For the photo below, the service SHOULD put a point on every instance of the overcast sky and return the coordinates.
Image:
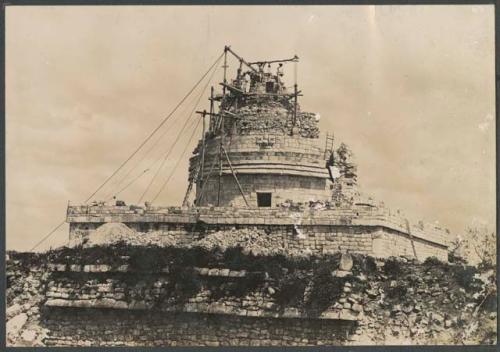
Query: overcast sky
(409, 88)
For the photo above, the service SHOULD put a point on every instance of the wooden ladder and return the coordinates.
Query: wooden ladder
(190, 188)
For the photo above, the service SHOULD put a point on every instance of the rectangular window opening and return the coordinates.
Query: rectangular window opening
(264, 199)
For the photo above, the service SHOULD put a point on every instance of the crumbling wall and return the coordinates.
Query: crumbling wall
(270, 116)
(179, 232)
(430, 303)
(25, 293)
(344, 188)
(245, 299)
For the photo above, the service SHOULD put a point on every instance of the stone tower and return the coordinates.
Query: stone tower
(261, 149)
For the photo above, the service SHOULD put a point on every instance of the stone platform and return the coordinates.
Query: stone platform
(362, 228)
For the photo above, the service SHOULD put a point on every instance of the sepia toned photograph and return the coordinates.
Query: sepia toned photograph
(279, 175)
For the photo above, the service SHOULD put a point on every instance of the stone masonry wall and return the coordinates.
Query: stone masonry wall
(94, 327)
(360, 229)
(391, 243)
(292, 167)
(319, 239)
(282, 187)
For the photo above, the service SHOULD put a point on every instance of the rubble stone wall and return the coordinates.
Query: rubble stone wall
(394, 301)
(182, 233)
(94, 327)
(263, 115)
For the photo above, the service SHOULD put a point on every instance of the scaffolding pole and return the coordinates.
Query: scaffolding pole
(220, 159)
(235, 177)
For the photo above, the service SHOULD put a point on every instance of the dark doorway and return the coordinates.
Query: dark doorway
(269, 87)
(264, 199)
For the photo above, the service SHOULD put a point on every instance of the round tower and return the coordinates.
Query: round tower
(260, 149)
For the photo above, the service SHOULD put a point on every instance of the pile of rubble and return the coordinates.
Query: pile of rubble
(251, 240)
(302, 206)
(112, 233)
(307, 123)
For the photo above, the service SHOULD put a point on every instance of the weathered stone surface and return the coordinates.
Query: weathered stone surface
(29, 335)
(408, 309)
(438, 318)
(15, 324)
(396, 308)
(341, 273)
(13, 310)
(357, 307)
(345, 262)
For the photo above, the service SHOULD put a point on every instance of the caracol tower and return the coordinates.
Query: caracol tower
(261, 149)
(261, 163)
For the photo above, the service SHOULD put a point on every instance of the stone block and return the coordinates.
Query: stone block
(341, 273)
(357, 308)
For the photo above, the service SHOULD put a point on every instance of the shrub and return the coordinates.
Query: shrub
(464, 275)
(392, 267)
(290, 290)
(364, 264)
(325, 289)
(433, 262)
(453, 258)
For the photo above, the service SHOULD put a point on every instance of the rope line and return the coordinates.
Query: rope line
(178, 161)
(129, 184)
(138, 176)
(48, 235)
(203, 183)
(178, 137)
(155, 130)
(165, 158)
(136, 150)
(160, 157)
(119, 183)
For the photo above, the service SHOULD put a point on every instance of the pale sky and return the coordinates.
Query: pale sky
(409, 88)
